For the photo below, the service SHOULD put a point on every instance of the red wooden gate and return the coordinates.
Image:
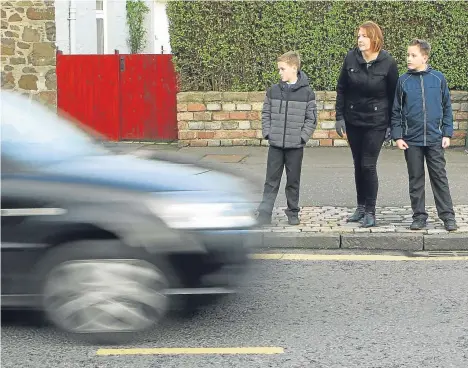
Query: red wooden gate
(123, 97)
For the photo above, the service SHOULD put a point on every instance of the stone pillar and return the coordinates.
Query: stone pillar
(28, 52)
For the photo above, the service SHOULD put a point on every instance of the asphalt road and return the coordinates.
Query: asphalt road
(320, 313)
(327, 174)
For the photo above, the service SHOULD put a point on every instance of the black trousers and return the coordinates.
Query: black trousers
(366, 145)
(278, 159)
(435, 161)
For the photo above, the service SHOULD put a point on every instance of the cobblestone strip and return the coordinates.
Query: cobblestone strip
(329, 219)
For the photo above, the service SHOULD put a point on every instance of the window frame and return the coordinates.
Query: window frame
(101, 14)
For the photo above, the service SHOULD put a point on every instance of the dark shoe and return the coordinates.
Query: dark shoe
(368, 220)
(418, 224)
(358, 214)
(293, 220)
(450, 225)
(263, 219)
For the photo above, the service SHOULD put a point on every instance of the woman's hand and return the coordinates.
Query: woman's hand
(340, 127)
(388, 135)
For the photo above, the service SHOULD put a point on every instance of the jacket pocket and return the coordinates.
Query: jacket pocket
(412, 131)
(378, 77)
(373, 107)
(353, 106)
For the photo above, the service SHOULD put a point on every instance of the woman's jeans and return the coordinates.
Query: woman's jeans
(365, 146)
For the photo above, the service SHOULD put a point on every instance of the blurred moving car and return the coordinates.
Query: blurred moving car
(106, 244)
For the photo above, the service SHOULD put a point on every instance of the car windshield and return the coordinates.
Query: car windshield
(33, 134)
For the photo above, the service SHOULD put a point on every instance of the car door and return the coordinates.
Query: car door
(20, 232)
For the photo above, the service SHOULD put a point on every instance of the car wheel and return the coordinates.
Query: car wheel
(103, 292)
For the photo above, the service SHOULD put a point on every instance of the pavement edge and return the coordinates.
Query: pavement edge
(369, 241)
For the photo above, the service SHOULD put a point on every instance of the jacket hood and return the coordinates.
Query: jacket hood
(383, 54)
(417, 72)
(302, 81)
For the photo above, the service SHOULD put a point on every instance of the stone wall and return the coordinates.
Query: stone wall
(28, 49)
(234, 119)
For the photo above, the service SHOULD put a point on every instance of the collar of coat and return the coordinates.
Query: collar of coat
(302, 81)
(383, 54)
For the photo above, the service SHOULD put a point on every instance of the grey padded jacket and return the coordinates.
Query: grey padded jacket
(289, 115)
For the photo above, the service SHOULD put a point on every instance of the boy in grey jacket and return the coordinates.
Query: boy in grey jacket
(289, 119)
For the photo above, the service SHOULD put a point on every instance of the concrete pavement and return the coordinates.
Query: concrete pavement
(318, 314)
(326, 228)
(328, 197)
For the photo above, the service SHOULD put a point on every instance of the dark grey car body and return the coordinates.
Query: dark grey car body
(67, 195)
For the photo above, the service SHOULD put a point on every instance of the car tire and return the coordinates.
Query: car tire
(103, 292)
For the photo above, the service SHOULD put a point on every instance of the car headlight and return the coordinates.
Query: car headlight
(195, 215)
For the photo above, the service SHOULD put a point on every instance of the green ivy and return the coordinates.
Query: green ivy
(233, 45)
(136, 12)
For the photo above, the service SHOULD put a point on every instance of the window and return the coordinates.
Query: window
(54, 139)
(101, 49)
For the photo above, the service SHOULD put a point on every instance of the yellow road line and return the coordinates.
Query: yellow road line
(191, 351)
(349, 257)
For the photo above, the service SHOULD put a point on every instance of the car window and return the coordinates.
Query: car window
(8, 166)
(33, 134)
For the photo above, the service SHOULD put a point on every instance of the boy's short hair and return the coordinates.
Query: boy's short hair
(291, 58)
(424, 46)
(375, 35)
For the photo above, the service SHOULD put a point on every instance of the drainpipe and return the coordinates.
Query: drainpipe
(72, 26)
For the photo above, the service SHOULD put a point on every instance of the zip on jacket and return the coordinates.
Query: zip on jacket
(285, 117)
(424, 109)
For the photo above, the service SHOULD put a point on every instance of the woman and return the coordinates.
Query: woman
(365, 92)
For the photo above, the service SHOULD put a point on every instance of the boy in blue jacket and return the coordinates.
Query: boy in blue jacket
(422, 125)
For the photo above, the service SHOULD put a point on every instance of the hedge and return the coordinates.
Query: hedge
(233, 45)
